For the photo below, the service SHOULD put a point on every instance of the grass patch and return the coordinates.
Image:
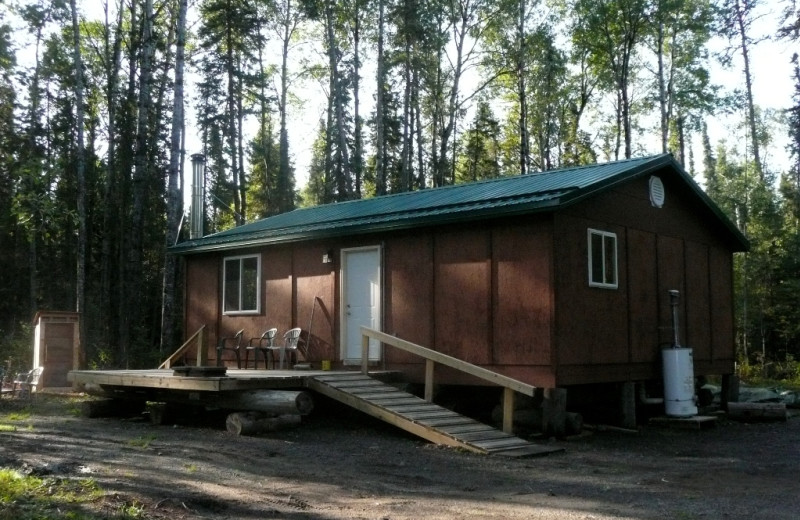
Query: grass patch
(25, 497)
(7, 428)
(21, 415)
(142, 442)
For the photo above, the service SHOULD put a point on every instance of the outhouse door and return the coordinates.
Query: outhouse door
(361, 300)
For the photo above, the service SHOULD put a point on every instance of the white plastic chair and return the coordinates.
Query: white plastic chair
(263, 344)
(26, 383)
(291, 338)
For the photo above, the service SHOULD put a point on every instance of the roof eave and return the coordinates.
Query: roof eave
(380, 227)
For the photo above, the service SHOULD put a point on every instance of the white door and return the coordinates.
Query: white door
(361, 300)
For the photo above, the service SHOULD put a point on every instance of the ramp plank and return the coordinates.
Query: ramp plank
(419, 417)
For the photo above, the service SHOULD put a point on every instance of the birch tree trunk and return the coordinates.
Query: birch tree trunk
(742, 26)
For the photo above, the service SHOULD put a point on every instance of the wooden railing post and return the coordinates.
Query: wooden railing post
(364, 354)
(429, 380)
(510, 385)
(202, 354)
(202, 351)
(508, 410)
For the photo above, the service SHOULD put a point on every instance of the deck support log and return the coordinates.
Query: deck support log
(268, 401)
(276, 402)
(251, 423)
(758, 411)
(111, 408)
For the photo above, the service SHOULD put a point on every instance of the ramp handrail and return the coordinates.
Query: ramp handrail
(432, 357)
(202, 352)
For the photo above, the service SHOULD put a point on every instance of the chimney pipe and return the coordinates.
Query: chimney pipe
(197, 214)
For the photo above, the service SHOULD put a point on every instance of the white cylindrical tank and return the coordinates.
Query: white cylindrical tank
(679, 399)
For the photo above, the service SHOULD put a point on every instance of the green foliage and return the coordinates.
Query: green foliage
(480, 147)
(783, 373)
(27, 497)
(16, 349)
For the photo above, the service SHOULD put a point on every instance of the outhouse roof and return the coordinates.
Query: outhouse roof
(504, 196)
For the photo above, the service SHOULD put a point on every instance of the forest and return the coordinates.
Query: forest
(102, 103)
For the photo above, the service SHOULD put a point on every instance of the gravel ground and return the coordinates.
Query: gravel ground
(340, 464)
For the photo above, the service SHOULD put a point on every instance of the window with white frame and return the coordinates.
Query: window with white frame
(602, 259)
(241, 283)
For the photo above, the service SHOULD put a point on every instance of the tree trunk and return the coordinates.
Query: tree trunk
(230, 65)
(524, 145)
(460, 32)
(405, 154)
(285, 192)
(242, 217)
(122, 245)
(80, 168)
(140, 179)
(342, 160)
(748, 80)
(174, 196)
(380, 129)
(113, 53)
(662, 90)
(358, 146)
(418, 127)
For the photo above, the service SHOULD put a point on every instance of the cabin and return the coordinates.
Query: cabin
(556, 279)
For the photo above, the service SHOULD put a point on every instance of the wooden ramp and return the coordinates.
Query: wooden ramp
(427, 420)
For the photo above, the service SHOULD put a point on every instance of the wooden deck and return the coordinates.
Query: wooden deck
(364, 392)
(165, 379)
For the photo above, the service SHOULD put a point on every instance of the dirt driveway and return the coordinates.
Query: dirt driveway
(343, 465)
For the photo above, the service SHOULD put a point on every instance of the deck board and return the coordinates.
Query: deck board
(235, 379)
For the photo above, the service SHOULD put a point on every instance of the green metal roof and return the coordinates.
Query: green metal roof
(536, 192)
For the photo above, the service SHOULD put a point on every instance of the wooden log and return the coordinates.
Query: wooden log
(758, 411)
(251, 423)
(111, 408)
(276, 402)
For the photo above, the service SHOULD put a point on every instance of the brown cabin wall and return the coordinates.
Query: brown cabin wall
(512, 294)
(293, 279)
(608, 335)
(202, 298)
(481, 293)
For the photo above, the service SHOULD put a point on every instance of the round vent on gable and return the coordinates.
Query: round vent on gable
(656, 192)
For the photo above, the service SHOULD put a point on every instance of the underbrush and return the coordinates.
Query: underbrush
(784, 374)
